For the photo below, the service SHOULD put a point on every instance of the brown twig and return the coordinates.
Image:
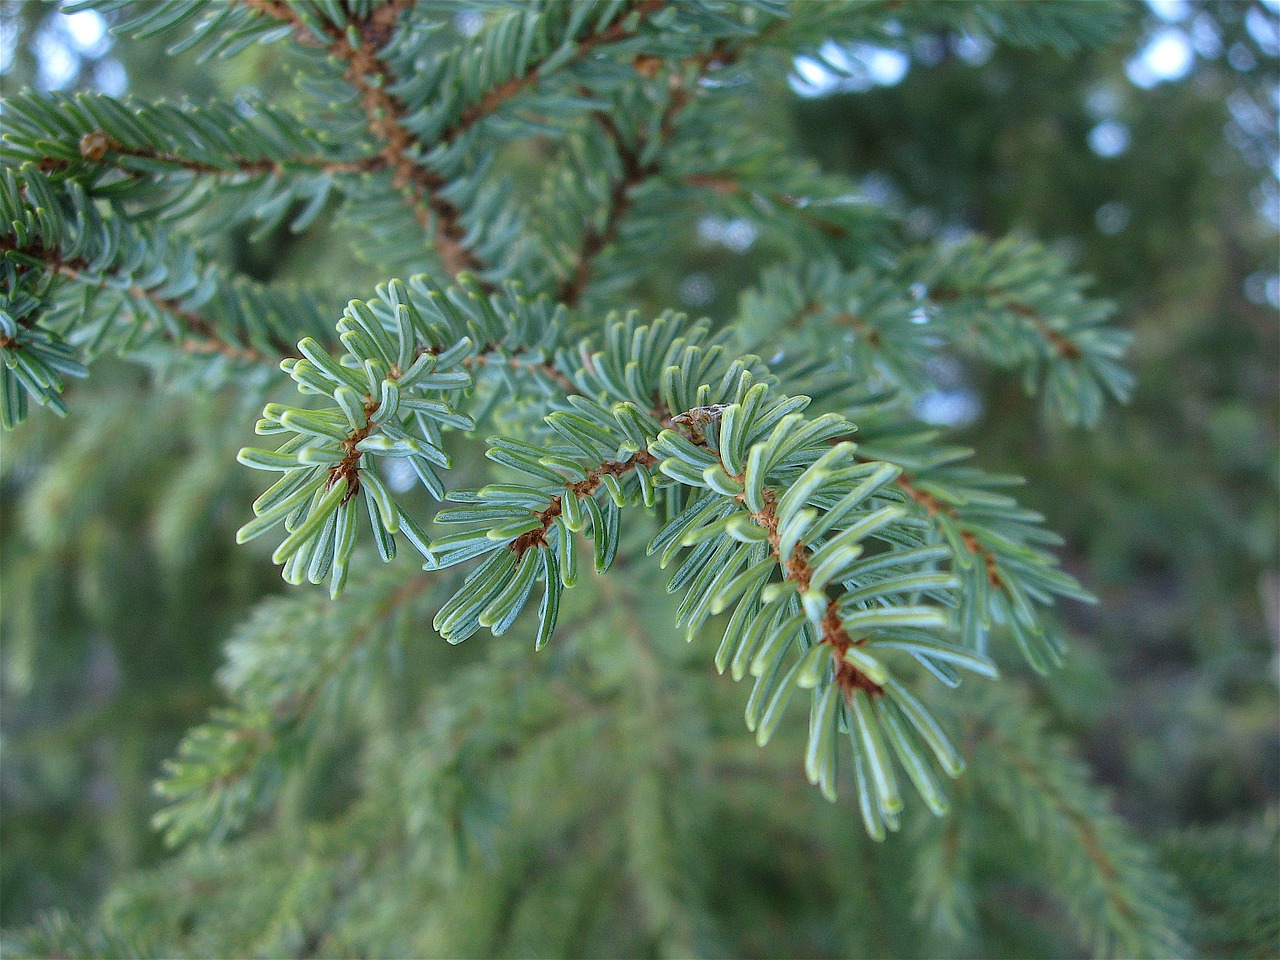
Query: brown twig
(385, 113)
(537, 537)
(97, 147)
(797, 567)
(934, 506)
(202, 336)
(596, 239)
(1057, 342)
(861, 327)
(682, 92)
(615, 31)
(348, 468)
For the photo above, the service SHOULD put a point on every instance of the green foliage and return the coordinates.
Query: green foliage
(1229, 871)
(1093, 864)
(370, 792)
(1012, 304)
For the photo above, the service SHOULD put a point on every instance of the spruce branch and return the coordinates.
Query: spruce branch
(1055, 340)
(997, 547)
(414, 353)
(932, 506)
(796, 565)
(1124, 902)
(580, 489)
(371, 76)
(97, 147)
(596, 239)
(119, 151)
(624, 23)
(847, 571)
(167, 292)
(635, 170)
(233, 764)
(754, 488)
(1010, 303)
(198, 334)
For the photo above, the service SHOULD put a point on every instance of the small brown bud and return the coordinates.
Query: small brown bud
(647, 66)
(93, 146)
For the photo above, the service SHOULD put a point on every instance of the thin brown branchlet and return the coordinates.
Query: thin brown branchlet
(201, 335)
(1054, 339)
(348, 468)
(97, 147)
(586, 487)
(384, 113)
(796, 567)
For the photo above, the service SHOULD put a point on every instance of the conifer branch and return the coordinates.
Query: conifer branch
(634, 171)
(833, 565)
(201, 336)
(415, 586)
(796, 566)
(1114, 888)
(1055, 341)
(614, 31)
(99, 148)
(492, 355)
(933, 506)
(586, 487)
(1009, 303)
(596, 239)
(370, 76)
(245, 745)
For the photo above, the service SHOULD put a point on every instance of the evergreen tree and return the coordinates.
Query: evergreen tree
(524, 403)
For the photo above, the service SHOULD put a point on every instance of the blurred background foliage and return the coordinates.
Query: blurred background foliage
(1152, 163)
